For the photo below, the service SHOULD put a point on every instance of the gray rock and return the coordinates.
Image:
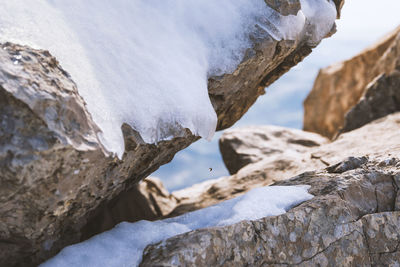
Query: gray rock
(382, 97)
(351, 221)
(242, 146)
(148, 200)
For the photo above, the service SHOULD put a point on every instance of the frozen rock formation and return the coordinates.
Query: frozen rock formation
(147, 63)
(367, 84)
(54, 173)
(55, 178)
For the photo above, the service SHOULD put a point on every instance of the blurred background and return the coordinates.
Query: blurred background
(362, 23)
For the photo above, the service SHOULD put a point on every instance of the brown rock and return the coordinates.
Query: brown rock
(342, 86)
(56, 181)
(346, 224)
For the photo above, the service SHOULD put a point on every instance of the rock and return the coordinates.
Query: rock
(382, 97)
(285, 8)
(148, 200)
(56, 180)
(264, 63)
(378, 140)
(351, 221)
(365, 83)
(242, 146)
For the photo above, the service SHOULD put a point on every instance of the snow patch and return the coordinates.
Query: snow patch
(146, 62)
(124, 245)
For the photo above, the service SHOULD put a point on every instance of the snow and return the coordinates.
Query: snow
(320, 16)
(123, 245)
(146, 62)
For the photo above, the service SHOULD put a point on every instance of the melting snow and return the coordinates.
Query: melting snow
(146, 62)
(123, 245)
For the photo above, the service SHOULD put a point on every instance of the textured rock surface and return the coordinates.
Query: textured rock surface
(56, 181)
(340, 87)
(352, 221)
(378, 140)
(148, 200)
(242, 146)
(381, 97)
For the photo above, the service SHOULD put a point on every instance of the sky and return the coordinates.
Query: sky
(362, 23)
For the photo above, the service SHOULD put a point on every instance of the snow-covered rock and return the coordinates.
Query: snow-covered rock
(353, 220)
(123, 245)
(53, 169)
(146, 63)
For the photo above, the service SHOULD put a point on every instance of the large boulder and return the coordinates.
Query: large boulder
(55, 174)
(368, 83)
(353, 220)
(57, 180)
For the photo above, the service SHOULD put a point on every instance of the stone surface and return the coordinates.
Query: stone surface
(378, 140)
(351, 221)
(345, 85)
(381, 97)
(290, 7)
(148, 200)
(243, 146)
(56, 182)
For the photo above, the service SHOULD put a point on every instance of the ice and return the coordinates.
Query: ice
(146, 62)
(123, 245)
(321, 16)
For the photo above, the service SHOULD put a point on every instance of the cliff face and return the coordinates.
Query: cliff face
(344, 91)
(56, 180)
